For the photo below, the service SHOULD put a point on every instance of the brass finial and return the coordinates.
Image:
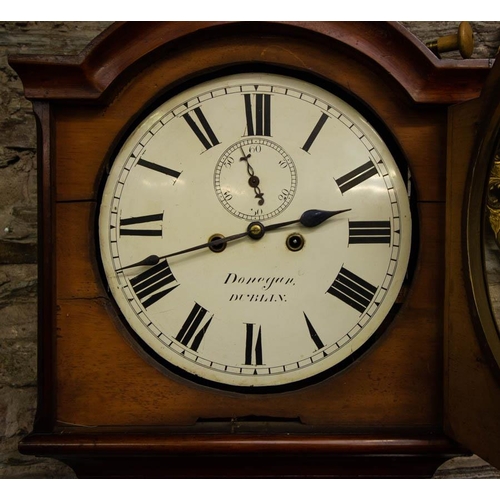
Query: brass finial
(463, 41)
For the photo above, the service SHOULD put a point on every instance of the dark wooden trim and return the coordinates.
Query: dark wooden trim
(122, 47)
(147, 443)
(160, 455)
(44, 419)
(261, 467)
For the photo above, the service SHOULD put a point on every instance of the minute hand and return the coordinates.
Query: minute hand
(255, 230)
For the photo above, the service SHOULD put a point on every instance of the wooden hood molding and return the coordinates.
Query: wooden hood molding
(125, 46)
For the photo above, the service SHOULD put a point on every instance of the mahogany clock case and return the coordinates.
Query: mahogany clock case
(99, 397)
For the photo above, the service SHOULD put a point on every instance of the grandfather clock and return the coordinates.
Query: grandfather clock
(252, 248)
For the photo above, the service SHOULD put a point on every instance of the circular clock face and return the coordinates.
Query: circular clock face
(254, 231)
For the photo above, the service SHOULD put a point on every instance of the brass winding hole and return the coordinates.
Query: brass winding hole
(295, 242)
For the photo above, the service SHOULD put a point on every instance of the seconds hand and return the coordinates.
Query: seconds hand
(255, 230)
(253, 181)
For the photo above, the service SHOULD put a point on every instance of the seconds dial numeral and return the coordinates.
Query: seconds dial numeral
(356, 176)
(352, 290)
(191, 335)
(201, 128)
(153, 284)
(262, 115)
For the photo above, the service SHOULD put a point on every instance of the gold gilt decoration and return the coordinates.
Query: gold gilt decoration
(493, 199)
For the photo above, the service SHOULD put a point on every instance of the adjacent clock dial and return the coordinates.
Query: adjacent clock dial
(240, 155)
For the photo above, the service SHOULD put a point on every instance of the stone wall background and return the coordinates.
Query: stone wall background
(18, 236)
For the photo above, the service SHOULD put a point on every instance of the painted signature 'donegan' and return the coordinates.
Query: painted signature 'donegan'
(265, 282)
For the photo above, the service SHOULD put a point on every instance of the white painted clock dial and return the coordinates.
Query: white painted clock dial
(214, 158)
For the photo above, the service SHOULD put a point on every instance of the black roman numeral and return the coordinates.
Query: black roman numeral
(316, 130)
(351, 289)
(253, 346)
(144, 219)
(371, 231)
(356, 176)
(312, 332)
(158, 168)
(153, 284)
(190, 334)
(262, 116)
(205, 134)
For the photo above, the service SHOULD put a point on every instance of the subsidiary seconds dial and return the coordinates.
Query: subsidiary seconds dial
(255, 232)
(255, 179)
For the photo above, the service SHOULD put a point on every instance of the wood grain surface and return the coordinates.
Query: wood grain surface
(103, 380)
(382, 389)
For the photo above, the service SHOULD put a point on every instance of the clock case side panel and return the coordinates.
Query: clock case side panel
(45, 414)
(475, 206)
(472, 388)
